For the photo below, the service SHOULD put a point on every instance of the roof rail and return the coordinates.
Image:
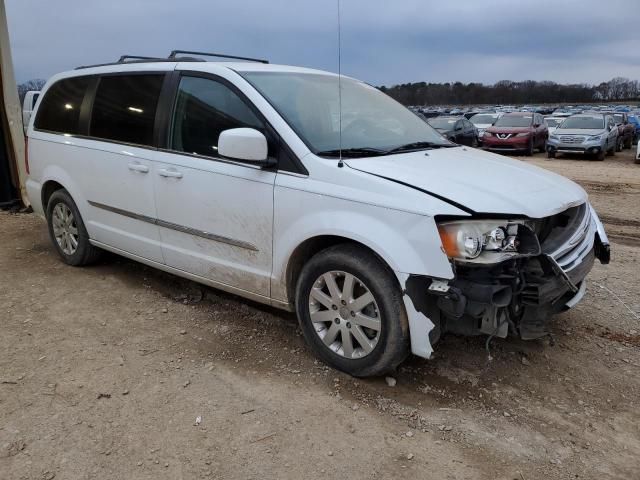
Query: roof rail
(127, 59)
(174, 53)
(124, 58)
(173, 57)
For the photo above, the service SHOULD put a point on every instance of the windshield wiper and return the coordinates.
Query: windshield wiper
(353, 152)
(420, 146)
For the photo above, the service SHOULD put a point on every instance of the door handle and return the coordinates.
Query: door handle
(163, 172)
(138, 167)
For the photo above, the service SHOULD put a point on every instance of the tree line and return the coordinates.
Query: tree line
(508, 92)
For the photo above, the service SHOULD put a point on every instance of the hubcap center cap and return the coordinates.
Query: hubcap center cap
(344, 312)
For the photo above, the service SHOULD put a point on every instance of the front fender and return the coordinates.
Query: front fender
(407, 242)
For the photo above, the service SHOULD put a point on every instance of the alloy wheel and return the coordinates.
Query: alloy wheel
(65, 229)
(345, 314)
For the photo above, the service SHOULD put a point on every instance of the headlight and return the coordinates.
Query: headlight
(523, 134)
(593, 138)
(487, 241)
(553, 137)
(487, 134)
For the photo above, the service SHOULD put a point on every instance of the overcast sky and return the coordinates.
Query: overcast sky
(384, 42)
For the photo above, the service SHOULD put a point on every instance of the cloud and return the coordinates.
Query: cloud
(383, 42)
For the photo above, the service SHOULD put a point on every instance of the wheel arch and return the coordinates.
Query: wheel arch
(310, 247)
(48, 189)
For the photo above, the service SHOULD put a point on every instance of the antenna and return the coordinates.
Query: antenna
(340, 163)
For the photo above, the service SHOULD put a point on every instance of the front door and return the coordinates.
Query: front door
(215, 216)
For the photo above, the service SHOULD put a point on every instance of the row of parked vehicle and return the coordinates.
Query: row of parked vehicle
(591, 133)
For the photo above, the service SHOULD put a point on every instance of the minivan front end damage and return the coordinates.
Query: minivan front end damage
(508, 280)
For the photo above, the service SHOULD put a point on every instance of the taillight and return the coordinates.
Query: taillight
(26, 154)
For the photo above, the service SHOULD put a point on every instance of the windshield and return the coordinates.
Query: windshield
(443, 123)
(370, 118)
(483, 119)
(553, 122)
(583, 123)
(514, 121)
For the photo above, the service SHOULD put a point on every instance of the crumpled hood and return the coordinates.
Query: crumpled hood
(580, 131)
(482, 182)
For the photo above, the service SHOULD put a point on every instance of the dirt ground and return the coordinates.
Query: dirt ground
(119, 371)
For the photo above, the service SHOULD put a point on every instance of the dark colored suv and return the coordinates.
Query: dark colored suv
(518, 131)
(457, 129)
(626, 130)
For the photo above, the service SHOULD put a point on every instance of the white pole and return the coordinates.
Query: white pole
(11, 104)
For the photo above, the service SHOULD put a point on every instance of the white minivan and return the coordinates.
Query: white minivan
(310, 192)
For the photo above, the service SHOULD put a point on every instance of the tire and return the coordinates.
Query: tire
(475, 142)
(619, 144)
(628, 142)
(388, 346)
(600, 156)
(543, 147)
(63, 219)
(551, 154)
(529, 151)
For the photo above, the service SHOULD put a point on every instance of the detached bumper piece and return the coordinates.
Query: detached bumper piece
(518, 296)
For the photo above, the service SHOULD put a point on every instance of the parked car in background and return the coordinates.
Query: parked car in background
(484, 120)
(28, 104)
(635, 121)
(592, 134)
(381, 237)
(553, 123)
(626, 130)
(517, 131)
(457, 129)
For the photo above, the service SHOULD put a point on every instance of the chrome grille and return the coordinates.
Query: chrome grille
(571, 139)
(578, 245)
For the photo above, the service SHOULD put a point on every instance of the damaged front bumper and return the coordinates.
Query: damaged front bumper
(516, 296)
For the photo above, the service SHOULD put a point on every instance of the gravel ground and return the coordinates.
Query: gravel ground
(120, 371)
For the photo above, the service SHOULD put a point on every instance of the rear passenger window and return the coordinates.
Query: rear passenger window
(125, 108)
(60, 108)
(204, 108)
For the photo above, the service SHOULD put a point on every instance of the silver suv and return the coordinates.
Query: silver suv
(586, 134)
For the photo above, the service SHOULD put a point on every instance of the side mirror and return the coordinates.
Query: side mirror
(246, 144)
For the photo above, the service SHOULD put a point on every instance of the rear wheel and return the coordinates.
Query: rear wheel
(351, 311)
(67, 231)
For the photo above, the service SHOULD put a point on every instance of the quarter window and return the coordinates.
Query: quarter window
(60, 108)
(125, 107)
(204, 108)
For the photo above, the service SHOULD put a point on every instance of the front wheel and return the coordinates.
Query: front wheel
(67, 231)
(351, 312)
(619, 144)
(529, 150)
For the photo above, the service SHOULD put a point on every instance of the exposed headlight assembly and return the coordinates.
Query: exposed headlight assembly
(487, 241)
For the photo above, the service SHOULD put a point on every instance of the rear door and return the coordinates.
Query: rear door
(120, 190)
(215, 215)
